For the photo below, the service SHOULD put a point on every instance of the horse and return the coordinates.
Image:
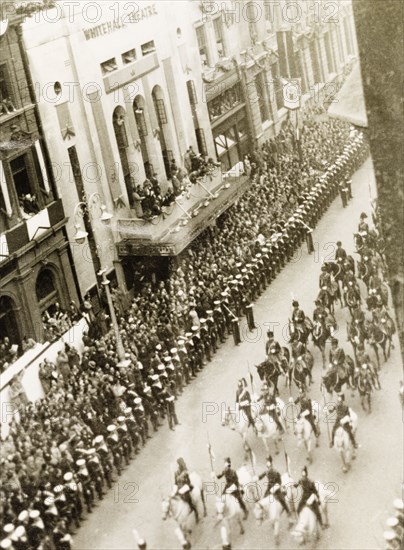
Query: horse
(320, 334)
(364, 384)
(352, 296)
(301, 332)
(300, 369)
(356, 334)
(273, 367)
(228, 509)
(342, 442)
(175, 507)
(380, 334)
(326, 298)
(304, 430)
(335, 378)
(307, 528)
(269, 508)
(265, 426)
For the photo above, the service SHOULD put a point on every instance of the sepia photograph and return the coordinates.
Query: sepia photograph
(202, 274)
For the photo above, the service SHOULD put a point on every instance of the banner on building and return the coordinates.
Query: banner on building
(292, 92)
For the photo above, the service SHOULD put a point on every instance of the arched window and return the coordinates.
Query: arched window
(118, 120)
(140, 117)
(46, 290)
(161, 115)
(8, 320)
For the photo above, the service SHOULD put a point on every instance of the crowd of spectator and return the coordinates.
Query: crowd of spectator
(65, 450)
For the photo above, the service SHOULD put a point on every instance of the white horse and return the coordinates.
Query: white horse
(174, 506)
(304, 430)
(342, 442)
(264, 424)
(307, 528)
(270, 508)
(228, 510)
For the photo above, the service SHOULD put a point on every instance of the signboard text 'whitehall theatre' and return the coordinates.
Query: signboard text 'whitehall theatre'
(120, 22)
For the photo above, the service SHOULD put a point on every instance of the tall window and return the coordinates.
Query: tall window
(259, 81)
(9, 325)
(314, 62)
(277, 85)
(122, 143)
(28, 182)
(202, 45)
(46, 291)
(6, 104)
(329, 53)
(218, 27)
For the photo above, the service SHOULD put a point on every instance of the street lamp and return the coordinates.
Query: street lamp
(119, 345)
(84, 208)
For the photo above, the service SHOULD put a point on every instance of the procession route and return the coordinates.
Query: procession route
(362, 497)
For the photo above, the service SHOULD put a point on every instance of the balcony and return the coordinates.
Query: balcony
(195, 210)
(30, 230)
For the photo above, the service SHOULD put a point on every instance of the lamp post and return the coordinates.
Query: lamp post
(119, 345)
(83, 209)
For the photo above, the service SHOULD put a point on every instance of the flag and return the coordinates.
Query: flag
(291, 93)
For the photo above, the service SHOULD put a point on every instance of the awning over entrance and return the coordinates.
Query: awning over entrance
(172, 234)
(349, 105)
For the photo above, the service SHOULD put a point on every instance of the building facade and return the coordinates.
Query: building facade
(127, 88)
(35, 261)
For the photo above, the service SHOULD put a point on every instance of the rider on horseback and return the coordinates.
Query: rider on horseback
(340, 253)
(243, 399)
(325, 279)
(298, 316)
(342, 411)
(337, 357)
(231, 478)
(183, 486)
(364, 359)
(270, 404)
(358, 317)
(306, 409)
(308, 489)
(272, 344)
(363, 226)
(320, 312)
(273, 483)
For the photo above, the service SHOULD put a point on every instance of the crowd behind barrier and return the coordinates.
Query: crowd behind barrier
(64, 451)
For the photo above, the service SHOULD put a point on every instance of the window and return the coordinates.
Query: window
(109, 66)
(203, 49)
(140, 122)
(225, 102)
(46, 292)
(218, 28)
(348, 36)
(261, 96)
(160, 110)
(328, 51)
(6, 104)
(148, 48)
(277, 83)
(315, 63)
(129, 57)
(193, 98)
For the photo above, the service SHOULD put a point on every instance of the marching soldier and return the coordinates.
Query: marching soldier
(124, 439)
(211, 325)
(243, 399)
(105, 457)
(178, 370)
(114, 444)
(149, 407)
(204, 333)
(83, 475)
(183, 356)
(95, 469)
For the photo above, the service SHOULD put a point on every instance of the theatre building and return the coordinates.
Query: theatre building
(121, 97)
(35, 262)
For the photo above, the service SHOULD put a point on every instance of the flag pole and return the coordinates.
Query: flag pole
(211, 455)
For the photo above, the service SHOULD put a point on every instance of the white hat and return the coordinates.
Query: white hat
(203, 321)
(194, 328)
(58, 489)
(98, 439)
(80, 462)
(167, 358)
(173, 351)
(22, 516)
(137, 401)
(68, 476)
(128, 410)
(19, 531)
(111, 428)
(121, 419)
(49, 501)
(34, 514)
(170, 398)
(9, 528)
(5, 543)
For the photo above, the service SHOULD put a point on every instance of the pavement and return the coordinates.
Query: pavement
(361, 498)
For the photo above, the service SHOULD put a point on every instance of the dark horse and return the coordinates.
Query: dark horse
(322, 331)
(364, 383)
(273, 367)
(380, 334)
(336, 377)
(356, 334)
(300, 367)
